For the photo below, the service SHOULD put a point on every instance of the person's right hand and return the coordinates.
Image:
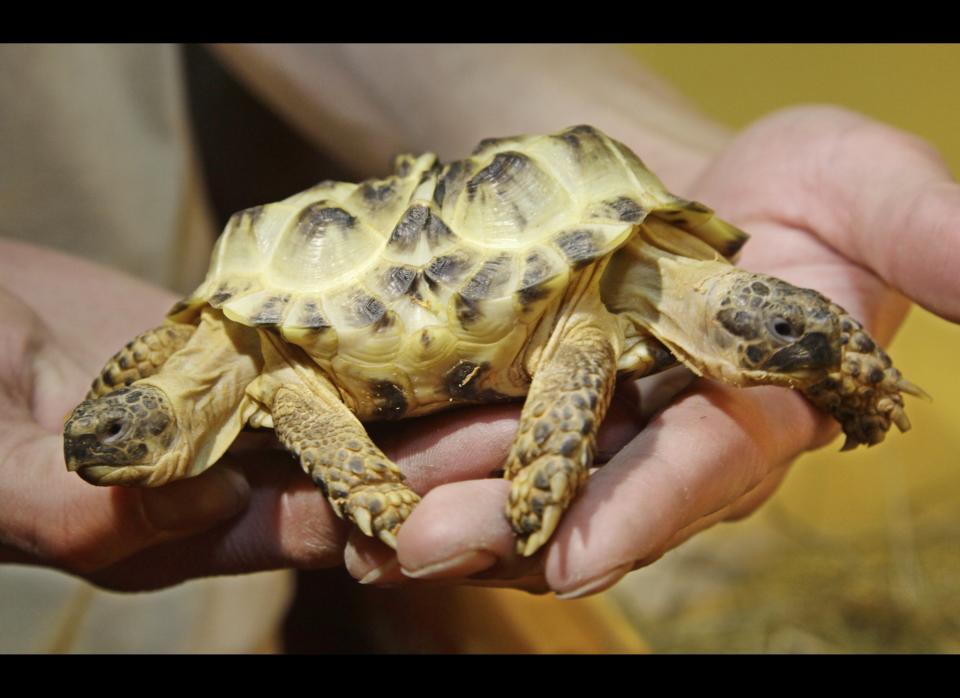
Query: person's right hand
(62, 318)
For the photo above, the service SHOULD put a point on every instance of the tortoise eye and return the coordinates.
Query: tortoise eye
(784, 329)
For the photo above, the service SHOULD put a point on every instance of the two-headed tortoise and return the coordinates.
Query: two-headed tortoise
(539, 266)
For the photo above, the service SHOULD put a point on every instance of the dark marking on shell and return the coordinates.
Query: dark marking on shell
(760, 288)
(688, 206)
(491, 276)
(179, 307)
(579, 247)
(584, 130)
(529, 295)
(400, 280)
(504, 167)
(462, 382)
(390, 399)
(416, 221)
(271, 312)
(571, 140)
(403, 165)
(254, 213)
(534, 282)
(467, 309)
(627, 209)
(378, 192)
(875, 375)
(730, 248)
(451, 173)
(386, 320)
(366, 309)
(448, 269)
(316, 218)
(311, 317)
(488, 143)
(437, 230)
(406, 234)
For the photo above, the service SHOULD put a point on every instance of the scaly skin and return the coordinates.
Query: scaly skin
(360, 482)
(863, 394)
(141, 357)
(554, 447)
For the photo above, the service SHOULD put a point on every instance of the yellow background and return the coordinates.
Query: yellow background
(861, 550)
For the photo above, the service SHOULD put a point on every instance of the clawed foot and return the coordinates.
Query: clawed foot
(378, 510)
(540, 493)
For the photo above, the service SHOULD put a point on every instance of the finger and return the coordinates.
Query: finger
(459, 530)
(736, 510)
(473, 443)
(58, 519)
(464, 447)
(708, 450)
(882, 197)
(287, 523)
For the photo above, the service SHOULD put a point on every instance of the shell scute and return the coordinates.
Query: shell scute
(478, 246)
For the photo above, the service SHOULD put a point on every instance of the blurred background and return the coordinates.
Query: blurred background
(858, 551)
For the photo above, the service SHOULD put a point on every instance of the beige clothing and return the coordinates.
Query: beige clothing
(97, 160)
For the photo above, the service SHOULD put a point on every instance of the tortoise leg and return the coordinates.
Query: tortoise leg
(141, 357)
(361, 483)
(555, 443)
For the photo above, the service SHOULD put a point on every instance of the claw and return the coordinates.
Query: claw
(388, 538)
(531, 545)
(909, 388)
(900, 418)
(362, 518)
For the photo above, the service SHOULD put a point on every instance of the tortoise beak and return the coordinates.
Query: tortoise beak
(814, 352)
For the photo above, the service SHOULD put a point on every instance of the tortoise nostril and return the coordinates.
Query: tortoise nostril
(112, 430)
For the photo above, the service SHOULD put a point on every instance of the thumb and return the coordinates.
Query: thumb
(57, 519)
(882, 197)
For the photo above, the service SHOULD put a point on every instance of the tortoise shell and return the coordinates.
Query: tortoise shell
(422, 288)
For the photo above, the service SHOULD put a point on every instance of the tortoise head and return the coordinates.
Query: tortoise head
(773, 332)
(123, 438)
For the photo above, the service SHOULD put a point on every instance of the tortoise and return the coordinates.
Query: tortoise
(539, 266)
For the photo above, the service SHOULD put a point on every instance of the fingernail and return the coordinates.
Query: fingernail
(380, 572)
(197, 503)
(462, 565)
(597, 584)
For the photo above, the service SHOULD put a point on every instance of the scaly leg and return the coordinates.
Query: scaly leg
(141, 357)
(310, 419)
(555, 443)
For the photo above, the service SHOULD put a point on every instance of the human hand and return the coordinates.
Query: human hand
(833, 201)
(62, 318)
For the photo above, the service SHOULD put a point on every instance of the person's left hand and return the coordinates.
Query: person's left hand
(860, 211)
